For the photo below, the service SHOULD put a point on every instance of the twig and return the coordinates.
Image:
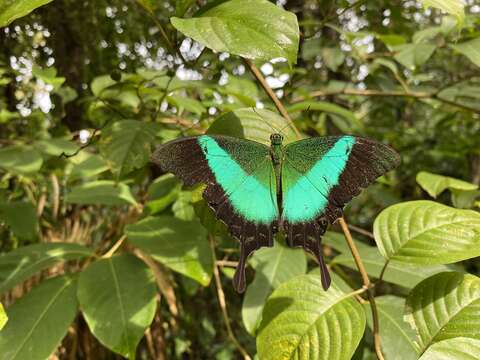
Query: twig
(115, 247)
(55, 195)
(162, 31)
(226, 263)
(384, 268)
(367, 284)
(281, 109)
(223, 304)
(87, 144)
(368, 92)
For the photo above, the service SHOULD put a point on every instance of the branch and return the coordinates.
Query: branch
(223, 304)
(367, 284)
(367, 92)
(281, 109)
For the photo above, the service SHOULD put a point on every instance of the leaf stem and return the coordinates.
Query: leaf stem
(367, 284)
(223, 303)
(271, 94)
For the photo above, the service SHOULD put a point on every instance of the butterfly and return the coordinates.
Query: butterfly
(257, 190)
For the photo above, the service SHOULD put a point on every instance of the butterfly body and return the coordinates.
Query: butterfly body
(257, 190)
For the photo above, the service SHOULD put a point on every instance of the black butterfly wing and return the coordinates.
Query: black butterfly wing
(241, 186)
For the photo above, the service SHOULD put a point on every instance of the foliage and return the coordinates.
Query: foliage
(103, 255)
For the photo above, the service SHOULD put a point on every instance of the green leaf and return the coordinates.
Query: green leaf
(302, 321)
(102, 192)
(353, 124)
(180, 245)
(253, 124)
(399, 273)
(454, 7)
(333, 57)
(413, 55)
(396, 334)
(3, 317)
(117, 298)
(435, 184)
(471, 49)
(14, 9)
(87, 166)
(20, 159)
(273, 266)
(162, 192)
(253, 29)
(465, 199)
(48, 76)
(425, 232)
(20, 264)
(182, 208)
(127, 145)
(445, 306)
(56, 146)
(181, 6)
(39, 320)
(459, 348)
(21, 217)
(191, 105)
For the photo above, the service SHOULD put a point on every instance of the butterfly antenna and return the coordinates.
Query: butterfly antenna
(266, 122)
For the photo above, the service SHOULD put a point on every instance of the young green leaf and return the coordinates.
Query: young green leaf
(101, 192)
(301, 320)
(273, 266)
(396, 334)
(425, 232)
(253, 29)
(414, 55)
(14, 9)
(180, 245)
(39, 320)
(117, 298)
(435, 184)
(459, 348)
(24, 262)
(445, 306)
(253, 124)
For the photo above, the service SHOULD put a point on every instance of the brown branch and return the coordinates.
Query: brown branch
(367, 284)
(223, 304)
(271, 94)
(368, 92)
(361, 231)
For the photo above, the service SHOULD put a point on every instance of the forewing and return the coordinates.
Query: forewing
(319, 176)
(241, 186)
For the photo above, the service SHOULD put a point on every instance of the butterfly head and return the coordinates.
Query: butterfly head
(276, 139)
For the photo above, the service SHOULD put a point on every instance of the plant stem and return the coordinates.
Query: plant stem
(367, 284)
(223, 303)
(368, 92)
(271, 94)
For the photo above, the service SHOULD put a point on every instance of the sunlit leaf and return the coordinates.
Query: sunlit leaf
(162, 192)
(117, 299)
(254, 29)
(445, 306)
(425, 232)
(303, 321)
(14, 9)
(180, 245)
(273, 266)
(253, 124)
(24, 262)
(3, 317)
(101, 192)
(39, 320)
(414, 55)
(435, 184)
(458, 348)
